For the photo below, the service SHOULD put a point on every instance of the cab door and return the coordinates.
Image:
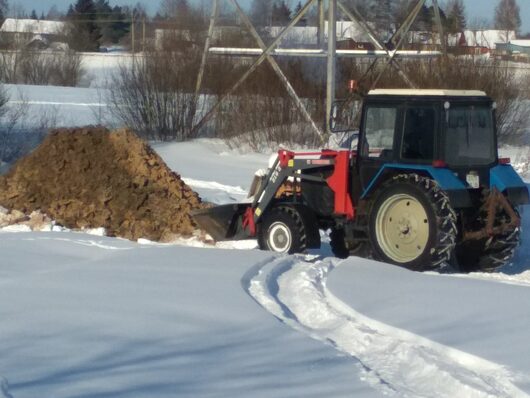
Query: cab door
(377, 141)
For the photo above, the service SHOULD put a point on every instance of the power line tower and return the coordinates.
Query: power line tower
(390, 52)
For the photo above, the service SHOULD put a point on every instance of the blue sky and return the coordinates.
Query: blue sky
(476, 9)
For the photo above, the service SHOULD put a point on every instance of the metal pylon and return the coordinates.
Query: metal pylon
(266, 53)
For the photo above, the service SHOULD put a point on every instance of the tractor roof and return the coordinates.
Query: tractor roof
(428, 92)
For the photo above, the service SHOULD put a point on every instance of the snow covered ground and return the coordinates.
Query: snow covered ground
(90, 316)
(62, 106)
(100, 317)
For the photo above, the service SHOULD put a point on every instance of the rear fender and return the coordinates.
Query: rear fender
(451, 184)
(506, 180)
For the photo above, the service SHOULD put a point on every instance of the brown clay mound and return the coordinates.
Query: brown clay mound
(90, 178)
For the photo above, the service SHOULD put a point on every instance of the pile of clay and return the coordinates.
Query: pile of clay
(91, 177)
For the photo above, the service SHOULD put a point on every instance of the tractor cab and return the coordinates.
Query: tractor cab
(428, 129)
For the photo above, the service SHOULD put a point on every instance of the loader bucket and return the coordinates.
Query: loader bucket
(223, 222)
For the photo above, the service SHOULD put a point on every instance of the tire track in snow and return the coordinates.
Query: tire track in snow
(394, 361)
(4, 388)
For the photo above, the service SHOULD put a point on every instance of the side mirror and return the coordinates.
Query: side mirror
(344, 116)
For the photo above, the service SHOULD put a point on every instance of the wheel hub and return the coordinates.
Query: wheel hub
(279, 237)
(402, 228)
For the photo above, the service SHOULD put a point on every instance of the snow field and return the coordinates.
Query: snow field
(394, 361)
(102, 317)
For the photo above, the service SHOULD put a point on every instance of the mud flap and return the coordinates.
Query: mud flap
(223, 222)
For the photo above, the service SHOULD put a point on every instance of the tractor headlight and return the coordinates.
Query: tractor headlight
(473, 179)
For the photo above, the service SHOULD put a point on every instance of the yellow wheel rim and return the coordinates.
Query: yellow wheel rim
(402, 228)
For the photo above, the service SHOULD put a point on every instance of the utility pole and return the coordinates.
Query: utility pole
(332, 60)
(132, 32)
(321, 23)
(143, 35)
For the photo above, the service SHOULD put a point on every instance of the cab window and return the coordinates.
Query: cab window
(379, 127)
(418, 134)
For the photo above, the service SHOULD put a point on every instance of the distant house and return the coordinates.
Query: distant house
(481, 38)
(518, 50)
(468, 42)
(350, 44)
(299, 36)
(183, 38)
(32, 33)
(173, 38)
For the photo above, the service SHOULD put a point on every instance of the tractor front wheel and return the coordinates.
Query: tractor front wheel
(412, 223)
(283, 231)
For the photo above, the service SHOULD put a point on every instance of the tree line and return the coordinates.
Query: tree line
(94, 23)
(391, 13)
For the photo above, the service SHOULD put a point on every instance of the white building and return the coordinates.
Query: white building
(32, 32)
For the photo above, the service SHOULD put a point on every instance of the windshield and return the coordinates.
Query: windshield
(470, 136)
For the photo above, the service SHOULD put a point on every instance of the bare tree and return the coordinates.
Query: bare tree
(383, 12)
(179, 11)
(54, 14)
(456, 16)
(507, 17)
(4, 99)
(17, 10)
(24, 66)
(153, 96)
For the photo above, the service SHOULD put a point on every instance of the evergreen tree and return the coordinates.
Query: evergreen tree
(4, 6)
(33, 15)
(260, 12)
(507, 16)
(84, 32)
(298, 8)
(112, 22)
(281, 14)
(456, 16)
(423, 22)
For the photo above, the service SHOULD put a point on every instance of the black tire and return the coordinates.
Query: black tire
(282, 231)
(412, 223)
(338, 245)
(488, 255)
(499, 251)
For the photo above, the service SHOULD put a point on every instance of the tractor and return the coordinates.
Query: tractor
(423, 187)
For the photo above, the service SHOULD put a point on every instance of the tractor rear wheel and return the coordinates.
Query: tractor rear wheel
(412, 223)
(488, 255)
(499, 251)
(283, 231)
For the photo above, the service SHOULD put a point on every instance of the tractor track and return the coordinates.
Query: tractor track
(393, 361)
